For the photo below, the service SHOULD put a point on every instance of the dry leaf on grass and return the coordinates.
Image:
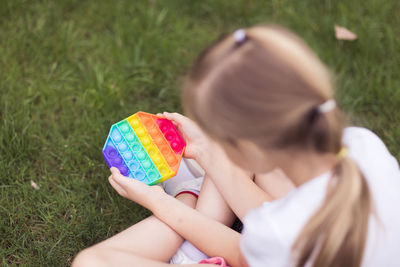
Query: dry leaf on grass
(344, 34)
(34, 185)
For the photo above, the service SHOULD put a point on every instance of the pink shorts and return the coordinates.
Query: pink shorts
(215, 260)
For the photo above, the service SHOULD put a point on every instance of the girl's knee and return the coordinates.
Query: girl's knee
(87, 258)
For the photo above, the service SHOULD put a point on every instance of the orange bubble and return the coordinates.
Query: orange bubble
(171, 160)
(165, 151)
(153, 130)
(148, 123)
(158, 140)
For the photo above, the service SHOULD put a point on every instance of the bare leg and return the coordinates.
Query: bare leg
(213, 205)
(119, 258)
(149, 238)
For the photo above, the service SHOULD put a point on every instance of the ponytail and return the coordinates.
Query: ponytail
(336, 234)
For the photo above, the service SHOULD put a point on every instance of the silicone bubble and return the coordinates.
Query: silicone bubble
(140, 175)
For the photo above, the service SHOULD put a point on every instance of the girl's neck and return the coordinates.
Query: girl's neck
(305, 165)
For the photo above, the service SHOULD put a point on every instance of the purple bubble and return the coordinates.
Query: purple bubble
(111, 152)
(117, 161)
(107, 159)
(124, 170)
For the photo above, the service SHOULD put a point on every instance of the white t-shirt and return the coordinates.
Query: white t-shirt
(271, 230)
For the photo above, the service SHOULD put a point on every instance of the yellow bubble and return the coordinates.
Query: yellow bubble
(152, 151)
(146, 140)
(157, 159)
(140, 132)
(163, 170)
(135, 123)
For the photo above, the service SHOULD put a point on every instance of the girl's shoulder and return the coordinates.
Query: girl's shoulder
(371, 154)
(363, 140)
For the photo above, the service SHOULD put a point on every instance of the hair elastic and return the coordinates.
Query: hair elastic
(342, 153)
(239, 36)
(326, 106)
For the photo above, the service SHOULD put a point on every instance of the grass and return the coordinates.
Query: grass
(69, 69)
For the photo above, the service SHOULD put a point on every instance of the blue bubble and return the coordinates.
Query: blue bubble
(122, 147)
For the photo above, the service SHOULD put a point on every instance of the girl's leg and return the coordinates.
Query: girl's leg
(121, 260)
(213, 205)
(149, 238)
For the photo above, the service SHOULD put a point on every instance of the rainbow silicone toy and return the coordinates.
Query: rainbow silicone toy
(145, 147)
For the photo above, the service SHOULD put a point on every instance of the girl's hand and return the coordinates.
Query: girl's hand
(196, 141)
(139, 192)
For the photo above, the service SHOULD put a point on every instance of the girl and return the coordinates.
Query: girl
(260, 99)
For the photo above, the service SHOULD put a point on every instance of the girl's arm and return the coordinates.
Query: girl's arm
(211, 237)
(235, 185)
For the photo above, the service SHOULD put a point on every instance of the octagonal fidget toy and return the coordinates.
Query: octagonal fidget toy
(145, 147)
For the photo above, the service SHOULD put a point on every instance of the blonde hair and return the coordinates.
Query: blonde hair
(266, 89)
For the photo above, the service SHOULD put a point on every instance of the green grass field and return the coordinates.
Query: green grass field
(70, 69)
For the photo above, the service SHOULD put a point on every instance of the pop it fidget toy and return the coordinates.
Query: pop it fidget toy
(145, 147)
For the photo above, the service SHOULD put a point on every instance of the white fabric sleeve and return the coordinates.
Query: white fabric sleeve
(366, 147)
(260, 243)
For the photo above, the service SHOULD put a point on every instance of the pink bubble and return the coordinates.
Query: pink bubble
(170, 135)
(176, 146)
(164, 125)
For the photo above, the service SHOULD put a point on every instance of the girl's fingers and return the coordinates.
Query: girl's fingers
(128, 184)
(119, 178)
(181, 122)
(116, 186)
(174, 117)
(171, 118)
